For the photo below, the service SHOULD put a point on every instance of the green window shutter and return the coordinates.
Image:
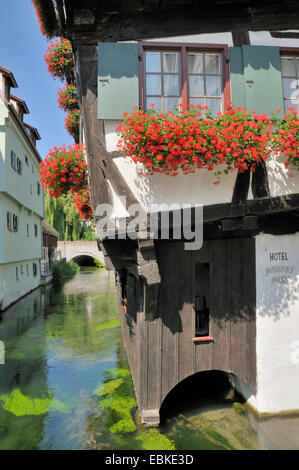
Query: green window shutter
(237, 76)
(118, 79)
(261, 89)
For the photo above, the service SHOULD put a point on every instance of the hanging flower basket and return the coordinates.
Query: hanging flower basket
(59, 58)
(67, 97)
(181, 142)
(44, 11)
(287, 138)
(72, 124)
(64, 170)
(82, 204)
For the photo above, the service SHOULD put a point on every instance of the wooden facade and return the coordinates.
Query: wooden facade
(162, 286)
(162, 349)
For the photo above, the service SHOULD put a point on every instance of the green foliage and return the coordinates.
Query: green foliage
(109, 387)
(154, 440)
(118, 399)
(89, 233)
(99, 263)
(62, 214)
(239, 408)
(21, 405)
(62, 272)
(114, 323)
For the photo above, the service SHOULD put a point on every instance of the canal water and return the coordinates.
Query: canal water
(66, 383)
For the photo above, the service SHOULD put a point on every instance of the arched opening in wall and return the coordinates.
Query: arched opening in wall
(84, 261)
(203, 391)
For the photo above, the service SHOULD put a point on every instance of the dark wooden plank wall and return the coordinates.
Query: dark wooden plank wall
(130, 338)
(161, 352)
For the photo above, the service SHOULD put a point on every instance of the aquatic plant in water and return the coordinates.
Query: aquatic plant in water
(117, 398)
(154, 440)
(21, 405)
(108, 325)
(239, 408)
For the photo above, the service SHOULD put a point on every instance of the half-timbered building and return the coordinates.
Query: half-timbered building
(231, 305)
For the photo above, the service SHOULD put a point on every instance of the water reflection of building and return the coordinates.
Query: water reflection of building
(23, 377)
(25, 359)
(50, 254)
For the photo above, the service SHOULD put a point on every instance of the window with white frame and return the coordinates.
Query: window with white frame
(184, 74)
(290, 80)
(162, 79)
(205, 82)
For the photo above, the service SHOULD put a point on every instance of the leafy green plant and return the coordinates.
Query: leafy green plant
(63, 272)
(99, 263)
(239, 408)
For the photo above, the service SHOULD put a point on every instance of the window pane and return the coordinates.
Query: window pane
(297, 62)
(196, 85)
(213, 85)
(156, 100)
(153, 84)
(288, 66)
(214, 105)
(170, 103)
(212, 62)
(195, 63)
(171, 85)
(153, 62)
(289, 86)
(197, 101)
(170, 62)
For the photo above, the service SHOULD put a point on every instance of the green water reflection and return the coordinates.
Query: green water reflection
(66, 382)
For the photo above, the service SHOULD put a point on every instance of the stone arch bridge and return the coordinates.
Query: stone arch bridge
(82, 252)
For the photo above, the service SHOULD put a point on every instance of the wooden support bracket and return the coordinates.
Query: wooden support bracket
(148, 268)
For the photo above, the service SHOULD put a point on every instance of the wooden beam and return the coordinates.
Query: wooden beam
(260, 183)
(86, 66)
(284, 35)
(101, 166)
(241, 187)
(186, 19)
(273, 205)
(240, 37)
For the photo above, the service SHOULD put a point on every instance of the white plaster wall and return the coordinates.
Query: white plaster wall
(119, 206)
(198, 188)
(264, 38)
(277, 324)
(282, 179)
(111, 137)
(194, 189)
(213, 38)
